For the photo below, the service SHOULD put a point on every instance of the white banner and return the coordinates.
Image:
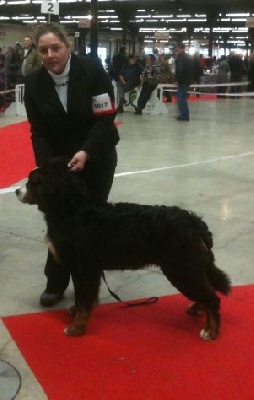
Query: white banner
(50, 7)
(161, 35)
(250, 22)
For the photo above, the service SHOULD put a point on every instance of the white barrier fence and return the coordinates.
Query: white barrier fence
(155, 104)
(170, 87)
(18, 107)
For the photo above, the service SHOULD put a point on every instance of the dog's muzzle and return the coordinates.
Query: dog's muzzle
(21, 194)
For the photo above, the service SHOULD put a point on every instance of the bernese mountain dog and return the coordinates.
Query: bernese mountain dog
(87, 239)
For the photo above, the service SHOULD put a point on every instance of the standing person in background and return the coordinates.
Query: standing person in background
(236, 68)
(70, 107)
(150, 79)
(2, 58)
(29, 58)
(250, 74)
(222, 76)
(183, 76)
(166, 75)
(12, 67)
(118, 61)
(198, 72)
(129, 79)
(2, 69)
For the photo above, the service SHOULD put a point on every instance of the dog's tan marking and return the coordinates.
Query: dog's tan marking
(80, 323)
(73, 308)
(81, 320)
(211, 329)
(52, 249)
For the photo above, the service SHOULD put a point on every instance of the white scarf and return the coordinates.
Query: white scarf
(61, 83)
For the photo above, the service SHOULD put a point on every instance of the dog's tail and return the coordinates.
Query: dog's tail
(219, 280)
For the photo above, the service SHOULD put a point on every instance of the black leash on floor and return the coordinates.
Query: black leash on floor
(150, 300)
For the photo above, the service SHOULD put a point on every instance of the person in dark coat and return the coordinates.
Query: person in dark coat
(251, 73)
(236, 68)
(118, 61)
(150, 79)
(129, 78)
(198, 72)
(184, 77)
(70, 107)
(222, 77)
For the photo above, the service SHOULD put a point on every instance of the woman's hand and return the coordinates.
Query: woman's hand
(78, 161)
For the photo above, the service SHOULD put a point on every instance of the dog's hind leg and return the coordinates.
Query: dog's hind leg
(192, 283)
(86, 289)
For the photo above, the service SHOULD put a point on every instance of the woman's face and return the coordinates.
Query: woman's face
(53, 52)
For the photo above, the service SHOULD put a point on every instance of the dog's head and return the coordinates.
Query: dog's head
(54, 187)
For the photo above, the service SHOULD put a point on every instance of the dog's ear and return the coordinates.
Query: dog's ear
(59, 188)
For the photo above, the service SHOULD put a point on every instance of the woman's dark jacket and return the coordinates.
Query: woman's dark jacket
(56, 132)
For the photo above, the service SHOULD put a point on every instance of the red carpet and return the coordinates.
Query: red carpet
(144, 353)
(15, 153)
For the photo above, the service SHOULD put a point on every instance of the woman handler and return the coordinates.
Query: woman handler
(70, 107)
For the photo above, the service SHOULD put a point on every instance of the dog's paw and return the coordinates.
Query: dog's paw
(208, 334)
(74, 331)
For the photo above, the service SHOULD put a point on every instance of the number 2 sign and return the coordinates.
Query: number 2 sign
(50, 7)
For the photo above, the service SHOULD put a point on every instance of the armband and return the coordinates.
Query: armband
(102, 105)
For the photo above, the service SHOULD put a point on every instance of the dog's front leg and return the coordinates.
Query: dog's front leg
(80, 324)
(86, 286)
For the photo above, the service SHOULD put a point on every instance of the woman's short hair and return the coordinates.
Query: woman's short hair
(51, 27)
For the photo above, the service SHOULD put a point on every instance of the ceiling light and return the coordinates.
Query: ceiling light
(107, 16)
(80, 17)
(164, 16)
(176, 20)
(18, 17)
(143, 16)
(16, 2)
(74, 21)
(238, 15)
(197, 20)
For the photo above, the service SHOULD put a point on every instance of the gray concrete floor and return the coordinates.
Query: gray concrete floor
(205, 165)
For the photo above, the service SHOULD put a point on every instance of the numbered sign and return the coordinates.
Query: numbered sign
(50, 7)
